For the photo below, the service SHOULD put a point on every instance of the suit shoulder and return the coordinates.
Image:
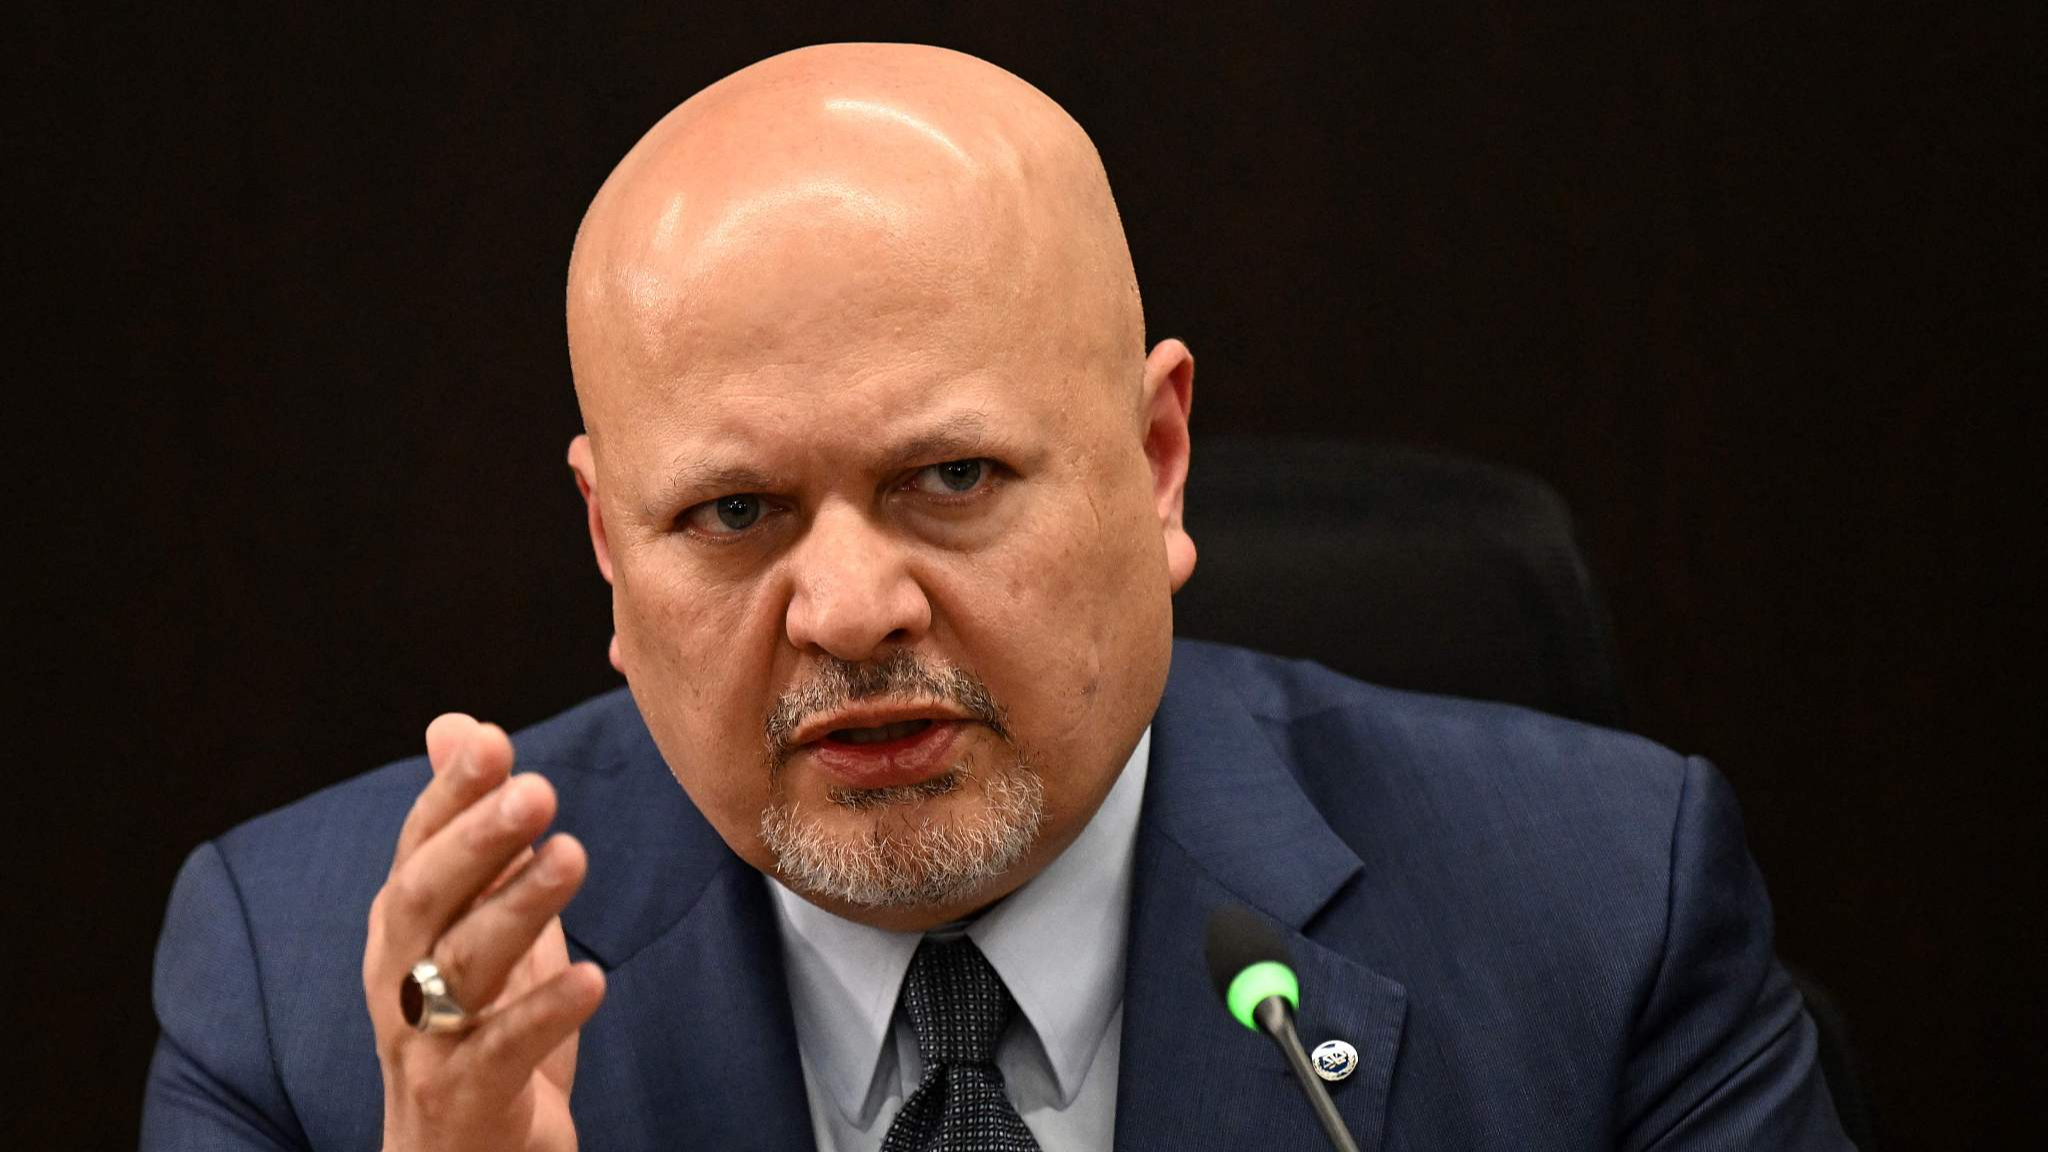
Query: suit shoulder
(1285, 691)
(1372, 757)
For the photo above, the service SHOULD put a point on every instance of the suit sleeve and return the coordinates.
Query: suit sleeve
(1724, 1054)
(213, 1083)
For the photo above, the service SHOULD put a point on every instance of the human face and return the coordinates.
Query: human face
(921, 466)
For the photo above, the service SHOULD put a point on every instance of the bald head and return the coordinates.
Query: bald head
(847, 189)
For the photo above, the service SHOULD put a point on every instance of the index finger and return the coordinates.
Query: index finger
(469, 760)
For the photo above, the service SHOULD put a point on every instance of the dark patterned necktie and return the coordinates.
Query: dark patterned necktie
(958, 1007)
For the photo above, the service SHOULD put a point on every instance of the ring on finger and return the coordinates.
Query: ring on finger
(428, 1003)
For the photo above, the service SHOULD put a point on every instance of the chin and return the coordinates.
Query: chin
(936, 843)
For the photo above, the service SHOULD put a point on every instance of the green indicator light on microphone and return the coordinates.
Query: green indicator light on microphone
(1258, 982)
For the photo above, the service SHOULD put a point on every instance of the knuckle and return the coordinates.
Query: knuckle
(491, 1044)
(434, 1098)
(501, 1044)
(407, 897)
(526, 894)
(484, 832)
(456, 957)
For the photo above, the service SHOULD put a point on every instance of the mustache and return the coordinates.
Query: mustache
(901, 675)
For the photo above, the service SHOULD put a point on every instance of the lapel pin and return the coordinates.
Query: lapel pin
(1334, 1059)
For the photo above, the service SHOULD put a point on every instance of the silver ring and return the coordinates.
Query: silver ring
(427, 1003)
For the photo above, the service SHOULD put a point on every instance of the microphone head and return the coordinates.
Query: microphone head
(1248, 963)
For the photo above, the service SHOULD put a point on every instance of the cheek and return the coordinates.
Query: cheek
(683, 632)
(1102, 624)
(1038, 618)
(699, 658)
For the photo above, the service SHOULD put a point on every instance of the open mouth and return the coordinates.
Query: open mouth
(880, 734)
(886, 755)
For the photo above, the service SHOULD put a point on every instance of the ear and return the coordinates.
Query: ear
(583, 462)
(1169, 395)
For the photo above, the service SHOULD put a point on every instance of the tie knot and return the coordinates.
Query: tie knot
(957, 1004)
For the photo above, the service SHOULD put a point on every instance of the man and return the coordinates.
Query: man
(888, 492)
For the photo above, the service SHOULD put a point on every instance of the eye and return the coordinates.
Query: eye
(725, 516)
(953, 478)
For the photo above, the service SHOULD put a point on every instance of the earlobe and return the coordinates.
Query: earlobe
(583, 462)
(1169, 398)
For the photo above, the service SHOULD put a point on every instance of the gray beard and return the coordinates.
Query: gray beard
(906, 859)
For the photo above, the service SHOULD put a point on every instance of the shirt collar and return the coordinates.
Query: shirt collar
(1057, 942)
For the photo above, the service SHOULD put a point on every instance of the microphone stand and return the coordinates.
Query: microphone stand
(1278, 1022)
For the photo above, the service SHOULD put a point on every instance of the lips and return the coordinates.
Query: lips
(884, 751)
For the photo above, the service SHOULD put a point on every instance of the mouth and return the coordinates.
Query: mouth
(869, 724)
(878, 734)
(882, 747)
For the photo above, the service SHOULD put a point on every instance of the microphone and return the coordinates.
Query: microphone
(1248, 964)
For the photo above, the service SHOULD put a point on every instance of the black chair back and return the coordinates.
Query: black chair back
(1397, 566)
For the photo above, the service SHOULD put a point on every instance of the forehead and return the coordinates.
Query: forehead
(832, 319)
(813, 268)
(828, 393)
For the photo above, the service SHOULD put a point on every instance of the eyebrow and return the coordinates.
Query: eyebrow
(957, 436)
(717, 479)
(690, 481)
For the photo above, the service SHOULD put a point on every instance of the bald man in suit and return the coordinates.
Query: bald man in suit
(887, 488)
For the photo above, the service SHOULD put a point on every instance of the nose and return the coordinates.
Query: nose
(852, 591)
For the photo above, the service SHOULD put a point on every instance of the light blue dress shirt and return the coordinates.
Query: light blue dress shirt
(1057, 942)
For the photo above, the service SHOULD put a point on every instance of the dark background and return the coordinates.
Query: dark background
(1755, 287)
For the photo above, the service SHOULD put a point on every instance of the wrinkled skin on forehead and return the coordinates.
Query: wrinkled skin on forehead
(809, 285)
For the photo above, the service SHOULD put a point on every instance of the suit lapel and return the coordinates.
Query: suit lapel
(1224, 821)
(694, 1046)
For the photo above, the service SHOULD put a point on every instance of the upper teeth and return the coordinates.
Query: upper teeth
(896, 731)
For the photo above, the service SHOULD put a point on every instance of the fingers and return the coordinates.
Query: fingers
(509, 1043)
(467, 890)
(441, 877)
(480, 951)
(469, 759)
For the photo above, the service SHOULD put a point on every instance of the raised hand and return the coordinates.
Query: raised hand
(467, 891)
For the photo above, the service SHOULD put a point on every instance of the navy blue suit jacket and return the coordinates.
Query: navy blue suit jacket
(1538, 935)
